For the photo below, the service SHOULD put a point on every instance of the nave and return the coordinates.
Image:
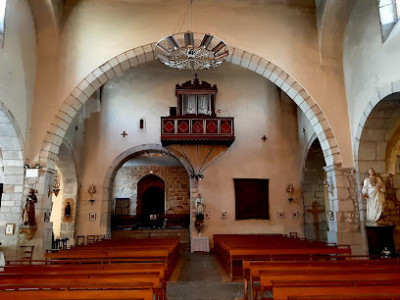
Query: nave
(254, 266)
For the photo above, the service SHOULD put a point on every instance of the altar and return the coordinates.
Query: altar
(200, 244)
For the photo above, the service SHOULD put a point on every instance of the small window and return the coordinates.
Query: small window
(389, 13)
(251, 198)
(2, 21)
(142, 124)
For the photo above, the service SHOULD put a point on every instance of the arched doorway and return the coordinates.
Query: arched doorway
(150, 200)
(131, 175)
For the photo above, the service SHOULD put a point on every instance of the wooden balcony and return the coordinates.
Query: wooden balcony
(197, 130)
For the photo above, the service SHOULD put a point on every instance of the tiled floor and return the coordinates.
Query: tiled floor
(199, 276)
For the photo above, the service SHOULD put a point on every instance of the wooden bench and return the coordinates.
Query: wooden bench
(286, 290)
(123, 294)
(90, 270)
(339, 278)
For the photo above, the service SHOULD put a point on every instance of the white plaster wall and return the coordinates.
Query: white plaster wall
(369, 65)
(148, 91)
(18, 63)
(96, 31)
(306, 134)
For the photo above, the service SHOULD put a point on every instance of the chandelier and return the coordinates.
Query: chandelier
(191, 51)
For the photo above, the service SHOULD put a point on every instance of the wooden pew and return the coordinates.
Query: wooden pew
(123, 294)
(35, 271)
(55, 281)
(340, 278)
(251, 269)
(232, 249)
(312, 267)
(393, 296)
(286, 290)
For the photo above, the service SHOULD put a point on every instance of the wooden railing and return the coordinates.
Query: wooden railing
(197, 129)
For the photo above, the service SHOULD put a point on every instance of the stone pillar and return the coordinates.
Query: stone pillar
(194, 192)
(12, 201)
(346, 226)
(42, 238)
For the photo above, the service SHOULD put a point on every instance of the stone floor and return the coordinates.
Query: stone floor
(199, 276)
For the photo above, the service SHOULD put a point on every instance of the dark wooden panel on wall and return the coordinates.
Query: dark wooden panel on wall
(251, 198)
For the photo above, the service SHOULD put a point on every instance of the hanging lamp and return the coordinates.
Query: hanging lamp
(190, 50)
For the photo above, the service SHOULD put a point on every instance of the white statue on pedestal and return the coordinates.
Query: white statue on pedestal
(373, 191)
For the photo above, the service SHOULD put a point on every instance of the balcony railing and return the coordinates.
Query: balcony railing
(197, 130)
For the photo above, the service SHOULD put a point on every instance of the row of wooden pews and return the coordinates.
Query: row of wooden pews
(353, 278)
(296, 269)
(232, 249)
(109, 269)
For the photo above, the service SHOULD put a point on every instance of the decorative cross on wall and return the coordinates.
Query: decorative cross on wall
(124, 134)
(264, 138)
(315, 211)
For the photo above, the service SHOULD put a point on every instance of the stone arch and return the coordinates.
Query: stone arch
(381, 93)
(106, 205)
(376, 139)
(11, 145)
(131, 58)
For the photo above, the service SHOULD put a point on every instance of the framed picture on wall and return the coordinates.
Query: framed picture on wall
(206, 215)
(10, 228)
(92, 216)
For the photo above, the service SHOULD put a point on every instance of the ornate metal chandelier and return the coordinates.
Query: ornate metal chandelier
(191, 51)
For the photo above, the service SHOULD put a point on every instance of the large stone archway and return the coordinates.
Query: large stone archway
(342, 202)
(129, 59)
(11, 145)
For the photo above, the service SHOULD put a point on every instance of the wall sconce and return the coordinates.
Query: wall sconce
(290, 191)
(92, 192)
(328, 187)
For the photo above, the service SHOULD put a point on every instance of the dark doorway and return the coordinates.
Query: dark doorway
(150, 200)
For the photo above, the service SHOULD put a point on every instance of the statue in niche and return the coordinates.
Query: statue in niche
(28, 213)
(374, 192)
(199, 222)
(68, 209)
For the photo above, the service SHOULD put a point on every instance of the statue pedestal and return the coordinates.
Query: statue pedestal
(380, 237)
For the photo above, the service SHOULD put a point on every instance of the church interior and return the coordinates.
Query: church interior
(200, 149)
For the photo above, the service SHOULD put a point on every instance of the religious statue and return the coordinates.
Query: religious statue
(199, 222)
(67, 210)
(373, 191)
(28, 214)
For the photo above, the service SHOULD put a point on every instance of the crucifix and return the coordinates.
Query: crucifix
(124, 134)
(315, 211)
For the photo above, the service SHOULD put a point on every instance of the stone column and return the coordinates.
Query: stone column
(12, 201)
(194, 192)
(346, 227)
(42, 237)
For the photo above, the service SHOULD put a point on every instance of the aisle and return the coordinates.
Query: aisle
(199, 276)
